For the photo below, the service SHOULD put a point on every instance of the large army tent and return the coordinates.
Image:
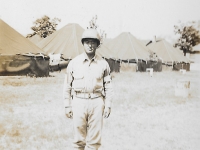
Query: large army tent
(66, 41)
(169, 55)
(104, 51)
(19, 56)
(196, 48)
(195, 54)
(12, 42)
(125, 46)
(167, 52)
(146, 42)
(127, 49)
(35, 39)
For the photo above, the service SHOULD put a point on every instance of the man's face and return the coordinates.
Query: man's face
(90, 46)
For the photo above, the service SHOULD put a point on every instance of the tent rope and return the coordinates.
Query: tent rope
(132, 47)
(169, 54)
(75, 43)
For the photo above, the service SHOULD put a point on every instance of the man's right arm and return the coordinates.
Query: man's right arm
(68, 86)
(67, 91)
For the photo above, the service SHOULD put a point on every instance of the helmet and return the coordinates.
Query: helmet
(91, 34)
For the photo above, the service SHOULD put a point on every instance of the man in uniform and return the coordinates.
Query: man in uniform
(88, 93)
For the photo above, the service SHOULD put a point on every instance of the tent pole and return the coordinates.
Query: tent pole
(137, 65)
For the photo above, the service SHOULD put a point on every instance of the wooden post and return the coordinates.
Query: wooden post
(182, 88)
(150, 70)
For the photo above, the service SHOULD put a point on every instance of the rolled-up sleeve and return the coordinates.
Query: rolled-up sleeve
(108, 89)
(68, 85)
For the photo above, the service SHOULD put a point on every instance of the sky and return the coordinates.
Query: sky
(144, 19)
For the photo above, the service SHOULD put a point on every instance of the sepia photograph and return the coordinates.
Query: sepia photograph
(99, 75)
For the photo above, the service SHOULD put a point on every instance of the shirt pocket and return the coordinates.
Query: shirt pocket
(78, 83)
(78, 73)
(78, 76)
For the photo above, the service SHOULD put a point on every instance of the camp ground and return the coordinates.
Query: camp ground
(19, 56)
(37, 56)
(156, 98)
(123, 53)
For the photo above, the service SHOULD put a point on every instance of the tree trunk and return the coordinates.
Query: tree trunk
(184, 51)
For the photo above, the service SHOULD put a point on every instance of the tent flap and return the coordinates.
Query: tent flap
(11, 65)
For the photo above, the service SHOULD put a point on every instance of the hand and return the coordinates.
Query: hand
(107, 111)
(69, 112)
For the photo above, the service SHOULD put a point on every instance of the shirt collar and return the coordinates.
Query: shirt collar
(85, 57)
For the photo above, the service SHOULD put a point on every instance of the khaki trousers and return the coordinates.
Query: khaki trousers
(87, 123)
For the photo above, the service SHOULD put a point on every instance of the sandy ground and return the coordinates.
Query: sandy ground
(146, 114)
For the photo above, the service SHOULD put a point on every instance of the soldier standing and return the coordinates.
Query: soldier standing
(88, 93)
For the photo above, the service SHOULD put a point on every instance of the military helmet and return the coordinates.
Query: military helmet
(91, 34)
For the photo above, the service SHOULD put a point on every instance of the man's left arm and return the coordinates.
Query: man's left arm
(108, 91)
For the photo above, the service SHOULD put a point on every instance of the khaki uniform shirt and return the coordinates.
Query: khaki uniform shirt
(88, 76)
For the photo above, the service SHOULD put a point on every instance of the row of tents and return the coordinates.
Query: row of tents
(22, 56)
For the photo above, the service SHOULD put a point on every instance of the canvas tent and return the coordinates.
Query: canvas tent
(169, 55)
(104, 51)
(195, 54)
(127, 49)
(35, 39)
(66, 41)
(19, 56)
(146, 42)
(196, 48)
(125, 46)
(12, 42)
